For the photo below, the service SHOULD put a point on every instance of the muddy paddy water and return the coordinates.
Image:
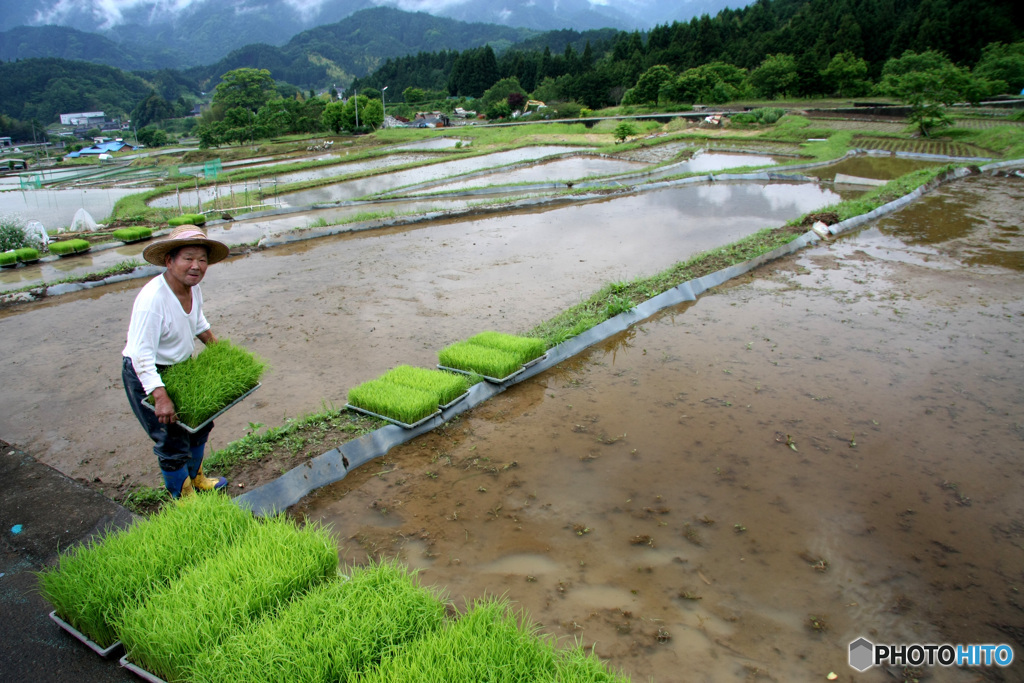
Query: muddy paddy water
(328, 314)
(738, 488)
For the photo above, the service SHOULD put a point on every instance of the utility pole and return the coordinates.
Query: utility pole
(384, 106)
(357, 108)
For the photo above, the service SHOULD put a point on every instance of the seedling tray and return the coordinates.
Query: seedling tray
(392, 420)
(536, 360)
(448, 405)
(139, 671)
(493, 380)
(101, 651)
(193, 430)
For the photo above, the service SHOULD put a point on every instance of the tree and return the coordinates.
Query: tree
(151, 110)
(847, 75)
(715, 83)
(500, 92)
(152, 137)
(648, 88)
(775, 77)
(1001, 62)
(246, 88)
(339, 116)
(927, 82)
(624, 130)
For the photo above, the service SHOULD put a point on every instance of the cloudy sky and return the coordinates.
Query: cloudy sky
(111, 12)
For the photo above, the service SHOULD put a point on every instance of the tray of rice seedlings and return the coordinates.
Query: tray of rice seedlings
(494, 365)
(69, 247)
(205, 386)
(92, 583)
(167, 632)
(487, 644)
(449, 387)
(8, 259)
(333, 632)
(132, 234)
(528, 350)
(27, 255)
(400, 404)
(187, 219)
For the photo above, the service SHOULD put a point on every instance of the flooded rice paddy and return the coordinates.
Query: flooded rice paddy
(56, 208)
(738, 488)
(558, 171)
(330, 313)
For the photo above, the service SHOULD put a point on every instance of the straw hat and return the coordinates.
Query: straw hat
(185, 236)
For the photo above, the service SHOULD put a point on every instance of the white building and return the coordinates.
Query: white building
(85, 118)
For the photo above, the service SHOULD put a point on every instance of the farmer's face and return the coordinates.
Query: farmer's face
(188, 265)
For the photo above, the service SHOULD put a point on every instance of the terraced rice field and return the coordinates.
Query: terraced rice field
(948, 148)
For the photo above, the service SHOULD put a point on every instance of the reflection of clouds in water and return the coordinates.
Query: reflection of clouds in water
(771, 200)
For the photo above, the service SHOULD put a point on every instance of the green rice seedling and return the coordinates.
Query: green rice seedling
(132, 234)
(168, 631)
(524, 348)
(397, 401)
(482, 360)
(65, 247)
(486, 644)
(27, 254)
(92, 583)
(8, 258)
(575, 665)
(205, 384)
(330, 633)
(187, 219)
(447, 386)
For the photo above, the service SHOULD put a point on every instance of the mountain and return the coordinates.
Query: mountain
(336, 53)
(29, 42)
(204, 31)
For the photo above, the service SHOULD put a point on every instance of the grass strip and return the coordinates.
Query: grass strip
(482, 360)
(168, 631)
(66, 247)
(397, 401)
(446, 386)
(331, 633)
(205, 384)
(523, 348)
(486, 644)
(92, 583)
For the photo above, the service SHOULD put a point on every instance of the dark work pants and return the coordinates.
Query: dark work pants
(171, 443)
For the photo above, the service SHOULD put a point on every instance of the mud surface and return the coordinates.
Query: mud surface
(738, 488)
(331, 313)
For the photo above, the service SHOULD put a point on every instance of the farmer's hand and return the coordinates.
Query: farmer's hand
(164, 406)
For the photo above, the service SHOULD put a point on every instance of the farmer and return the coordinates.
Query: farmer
(167, 318)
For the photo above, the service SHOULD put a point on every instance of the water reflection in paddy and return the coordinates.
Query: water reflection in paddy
(560, 170)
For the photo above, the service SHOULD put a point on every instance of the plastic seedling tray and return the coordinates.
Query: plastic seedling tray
(193, 430)
(493, 380)
(534, 361)
(101, 651)
(448, 405)
(392, 420)
(139, 671)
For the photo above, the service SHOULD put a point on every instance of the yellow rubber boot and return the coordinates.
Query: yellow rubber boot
(201, 482)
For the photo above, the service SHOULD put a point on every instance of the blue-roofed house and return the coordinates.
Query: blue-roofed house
(101, 148)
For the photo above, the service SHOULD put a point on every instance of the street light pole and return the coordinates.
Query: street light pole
(384, 105)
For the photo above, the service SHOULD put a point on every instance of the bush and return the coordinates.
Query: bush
(187, 219)
(12, 234)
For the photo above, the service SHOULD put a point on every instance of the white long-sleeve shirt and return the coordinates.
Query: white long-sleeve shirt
(160, 331)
